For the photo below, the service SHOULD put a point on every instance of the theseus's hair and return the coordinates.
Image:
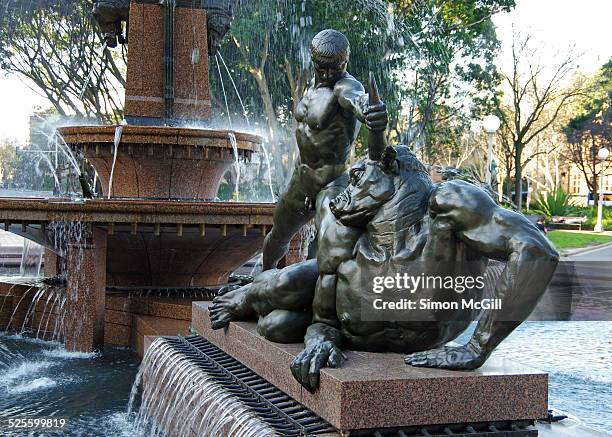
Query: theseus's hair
(330, 47)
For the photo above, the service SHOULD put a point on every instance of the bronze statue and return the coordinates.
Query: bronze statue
(387, 213)
(110, 15)
(328, 121)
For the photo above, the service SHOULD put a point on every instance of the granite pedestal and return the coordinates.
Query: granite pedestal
(378, 390)
(86, 290)
(144, 96)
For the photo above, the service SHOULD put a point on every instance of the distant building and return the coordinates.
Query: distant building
(579, 190)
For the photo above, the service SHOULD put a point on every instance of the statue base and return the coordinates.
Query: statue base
(373, 390)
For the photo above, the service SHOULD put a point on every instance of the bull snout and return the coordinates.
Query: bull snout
(340, 203)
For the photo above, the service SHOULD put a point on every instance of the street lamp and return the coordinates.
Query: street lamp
(490, 124)
(602, 155)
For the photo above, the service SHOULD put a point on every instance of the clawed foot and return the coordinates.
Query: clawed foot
(449, 357)
(227, 306)
(306, 367)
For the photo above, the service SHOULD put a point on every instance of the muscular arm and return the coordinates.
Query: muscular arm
(325, 325)
(323, 338)
(352, 97)
(503, 235)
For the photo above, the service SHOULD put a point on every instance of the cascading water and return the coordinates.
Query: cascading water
(248, 122)
(234, 143)
(7, 356)
(57, 147)
(232, 137)
(31, 259)
(44, 156)
(44, 318)
(173, 385)
(116, 142)
(268, 165)
(244, 111)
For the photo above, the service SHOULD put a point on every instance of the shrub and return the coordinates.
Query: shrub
(606, 220)
(554, 203)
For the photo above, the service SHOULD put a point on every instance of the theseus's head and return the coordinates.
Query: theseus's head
(330, 52)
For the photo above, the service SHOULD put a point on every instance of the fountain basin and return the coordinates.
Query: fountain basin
(149, 242)
(159, 162)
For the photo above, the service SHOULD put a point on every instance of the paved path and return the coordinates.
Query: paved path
(597, 254)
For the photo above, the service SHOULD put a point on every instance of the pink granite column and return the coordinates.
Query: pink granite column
(86, 288)
(50, 259)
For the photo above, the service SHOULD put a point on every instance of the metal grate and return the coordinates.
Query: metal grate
(523, 428)
(283, 414)
(206, 293)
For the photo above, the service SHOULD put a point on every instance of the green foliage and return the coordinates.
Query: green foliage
(593, 121)
(590, 212)
(7, 160)
(554, 203)
(55, 44)
(567, 240)
(432, 61)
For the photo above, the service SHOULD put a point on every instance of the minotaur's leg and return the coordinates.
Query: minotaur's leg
(290, 289)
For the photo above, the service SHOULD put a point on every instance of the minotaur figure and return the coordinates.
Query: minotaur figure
(387, 216)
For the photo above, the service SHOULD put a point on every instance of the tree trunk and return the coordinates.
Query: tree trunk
(518, 177)
(595, 188)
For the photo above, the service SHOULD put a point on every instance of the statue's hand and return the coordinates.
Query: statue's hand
(465, 357)
(376, 117)
(307, 366)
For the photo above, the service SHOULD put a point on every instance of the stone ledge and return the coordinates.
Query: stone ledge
(379, 390)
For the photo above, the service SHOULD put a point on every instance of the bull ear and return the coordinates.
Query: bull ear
(388, 160)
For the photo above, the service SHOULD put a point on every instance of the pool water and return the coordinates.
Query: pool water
(578, 359)
(92, 390)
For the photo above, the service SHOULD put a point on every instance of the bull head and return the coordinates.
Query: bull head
(371, 185)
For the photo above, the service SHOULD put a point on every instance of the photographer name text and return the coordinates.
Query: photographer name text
(428, 304)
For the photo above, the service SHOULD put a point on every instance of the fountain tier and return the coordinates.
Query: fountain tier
(158, 162)
(152, 243)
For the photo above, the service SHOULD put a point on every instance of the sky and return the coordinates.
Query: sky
(557, 24)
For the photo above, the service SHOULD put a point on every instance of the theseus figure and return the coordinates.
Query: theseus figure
(109, 15)
(328, 121)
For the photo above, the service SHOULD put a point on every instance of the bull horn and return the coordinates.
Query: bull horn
(376, 139)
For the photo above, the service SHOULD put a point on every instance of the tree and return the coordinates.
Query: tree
(7, 161)
(590, 128)
(419, 52)
(535, 98)
(55, 44)
(451, 46)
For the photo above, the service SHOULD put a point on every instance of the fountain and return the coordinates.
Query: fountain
(157, 238)
(157, 224)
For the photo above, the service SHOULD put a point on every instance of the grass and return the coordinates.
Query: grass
(568, 239)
